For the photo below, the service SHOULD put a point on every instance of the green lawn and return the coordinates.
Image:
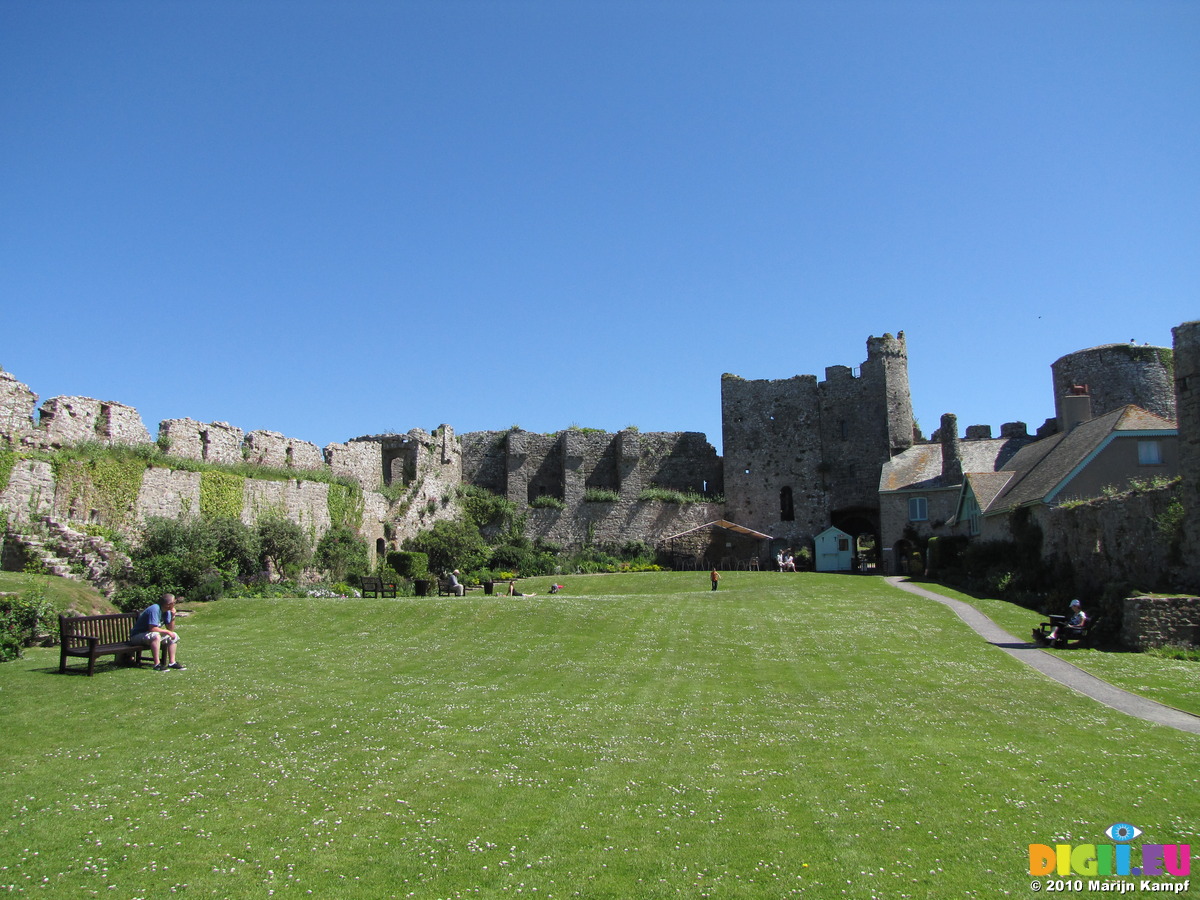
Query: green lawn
(1170, 681)
(637, 737)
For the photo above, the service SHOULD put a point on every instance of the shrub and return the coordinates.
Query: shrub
(341, 552)
(408, 564)
(484, 508)
(24, 617)
(285, 546)
(547, 501)
(451, 545)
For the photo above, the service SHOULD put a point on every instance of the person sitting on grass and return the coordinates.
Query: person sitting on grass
(513, 592)
(153, 628)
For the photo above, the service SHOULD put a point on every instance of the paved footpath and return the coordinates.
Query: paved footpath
(1059, 669)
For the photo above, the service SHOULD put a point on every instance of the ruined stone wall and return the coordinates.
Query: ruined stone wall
(772, 437)
(1187, 388)
(1115, 541)
(77, 420)
(270, 448)
(619, 522)
(1116, 375)
(1160, 621)
(522, 465)
(215, 442)
(819, 444)
(16, 408)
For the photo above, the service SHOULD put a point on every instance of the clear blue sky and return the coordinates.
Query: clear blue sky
(341, 218)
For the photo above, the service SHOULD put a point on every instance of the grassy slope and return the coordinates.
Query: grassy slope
(66, 595)
(1170, 681)
(637, 737)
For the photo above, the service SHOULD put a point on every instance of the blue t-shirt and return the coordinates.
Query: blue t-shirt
(150, 617)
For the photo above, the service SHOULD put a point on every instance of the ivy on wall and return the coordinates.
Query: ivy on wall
(222, 495)
(8, 459)
(107, 484)
(345, 506)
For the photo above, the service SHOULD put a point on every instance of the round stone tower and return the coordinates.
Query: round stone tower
(887, 367)
(1116, 375)
(1187, 386)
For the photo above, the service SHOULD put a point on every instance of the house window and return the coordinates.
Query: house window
(1149, 453)
(918, 509)
(843, 545)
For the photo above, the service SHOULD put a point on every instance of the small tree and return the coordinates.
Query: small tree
(284, 545)
(341, 552)
(451, 545)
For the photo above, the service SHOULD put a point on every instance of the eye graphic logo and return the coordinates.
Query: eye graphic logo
(1116, 858)
(1123, 832)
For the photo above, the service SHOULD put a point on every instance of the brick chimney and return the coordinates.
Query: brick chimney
(1076, 408)
(952, 472)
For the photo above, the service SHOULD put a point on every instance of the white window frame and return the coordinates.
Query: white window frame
(918, 509)
(1150, 453)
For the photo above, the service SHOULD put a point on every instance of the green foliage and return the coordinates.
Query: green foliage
(285, 546)
(668, 495)
(409, 564)
(222, 494)
(522, 558)
(342, 553)
(632, 556)
(600, 495)
(107, 483)
(345, 506)
(547, 501)
(484, 508)
(24, 617)
(8, 459)
(196, 559)
(451, 545)
(1170, 528)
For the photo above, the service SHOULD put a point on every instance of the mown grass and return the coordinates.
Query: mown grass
(67, 595)
(1175, 682)
(636, 737)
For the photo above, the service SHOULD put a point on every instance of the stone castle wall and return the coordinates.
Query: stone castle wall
(1187, 390)
(1116, 375)
(801, 454)
(1160, 621)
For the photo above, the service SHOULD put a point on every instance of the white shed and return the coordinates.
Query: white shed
(834, 551)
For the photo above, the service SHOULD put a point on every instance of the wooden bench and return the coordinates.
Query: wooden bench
(88, 637)
(444, 588)
(377, 587)
(1041, 633)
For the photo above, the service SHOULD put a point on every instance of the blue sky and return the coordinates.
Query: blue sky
(341, 218)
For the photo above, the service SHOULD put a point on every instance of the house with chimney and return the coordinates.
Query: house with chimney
(973, 486)
(920, 490)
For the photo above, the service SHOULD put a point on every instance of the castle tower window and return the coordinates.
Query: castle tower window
(787, 509)
(918, 509)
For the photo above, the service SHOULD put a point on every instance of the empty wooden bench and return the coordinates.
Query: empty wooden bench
(89, 637)
(377, 587)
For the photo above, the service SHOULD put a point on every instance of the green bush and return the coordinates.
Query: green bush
(341, 553)
(547, 501)
(484, 508)
(24, 617)
(196, 559)
(451, 545)
(285, 546)
(409, 564)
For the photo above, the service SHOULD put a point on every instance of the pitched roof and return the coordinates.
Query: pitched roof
(920, 467)
(1041, 468)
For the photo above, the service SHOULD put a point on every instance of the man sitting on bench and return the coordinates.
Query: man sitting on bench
(152, 628)
(1072, 628)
